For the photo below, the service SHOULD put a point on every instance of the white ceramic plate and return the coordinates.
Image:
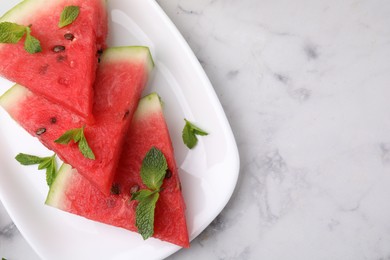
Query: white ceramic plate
(208, 173)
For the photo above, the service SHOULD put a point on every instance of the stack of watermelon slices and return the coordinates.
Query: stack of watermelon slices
(101, 99)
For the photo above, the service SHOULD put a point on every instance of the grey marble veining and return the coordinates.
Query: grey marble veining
(12, 244)
(305, 86)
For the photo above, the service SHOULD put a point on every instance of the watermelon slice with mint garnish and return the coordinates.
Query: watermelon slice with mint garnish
(120, 80)
(71, 192)
(65, 68)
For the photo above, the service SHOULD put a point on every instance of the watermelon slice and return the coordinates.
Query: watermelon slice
(121, 77)
(71, 192)
(64, 76)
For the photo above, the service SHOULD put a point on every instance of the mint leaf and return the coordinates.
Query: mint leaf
(26, 159)
(11, 32)
(45, 163)
(85, 149)
(48, 163)
(77, 135)
(189, 138)
(31, 44)
(153, 169)
(189, 134)
(67, 136)
(142, 194)
(51, 171)
(145, 214)
(68, 15)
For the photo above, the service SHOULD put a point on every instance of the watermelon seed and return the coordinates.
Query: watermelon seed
(126, 114)
(134, 189)
(168, 174)
(61, 58)
(40, 131)
(115, 189)
(69, 36)
(99, 53)
(59, 48)
(53, 120)
(43, 69)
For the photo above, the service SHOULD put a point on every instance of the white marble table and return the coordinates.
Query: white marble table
(306, 87)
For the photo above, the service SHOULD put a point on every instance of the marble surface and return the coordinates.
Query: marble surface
(306, 87)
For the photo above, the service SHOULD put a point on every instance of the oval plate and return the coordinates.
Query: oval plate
(208, 172)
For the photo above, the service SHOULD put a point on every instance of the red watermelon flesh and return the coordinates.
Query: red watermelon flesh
(64, 77)
(71, 192)
(120, 80)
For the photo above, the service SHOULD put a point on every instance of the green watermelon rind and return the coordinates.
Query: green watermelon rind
(58, 186)
(125, 53)
(29, 6)
(13, 96)
(147, 105)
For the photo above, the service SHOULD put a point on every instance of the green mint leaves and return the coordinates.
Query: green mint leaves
(153, 170)
(189, 134)
(77, 135)
(31, 44)
(145, 214)
(13, 33)
(48, 163)
(68, 15)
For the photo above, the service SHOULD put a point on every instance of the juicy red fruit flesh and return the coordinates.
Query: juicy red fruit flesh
(116, 98)
(79, 197)
(64, 72)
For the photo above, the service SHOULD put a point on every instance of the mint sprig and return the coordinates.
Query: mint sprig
(77, 135)
(153, 170)
(31, 44)
(189, 134)
(13, 33)
(68, 15)
(48, 163)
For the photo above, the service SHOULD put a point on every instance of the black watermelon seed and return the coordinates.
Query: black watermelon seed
(126, 115)
(115, 189)
(168, 174)
(61, 58)
(134, 189)
(53, 120)
(40, 131)
(43, 69)
(59, 48)
(69, 36)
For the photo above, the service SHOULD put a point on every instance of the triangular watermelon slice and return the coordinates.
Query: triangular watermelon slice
(73, 193)
(64, 72)
(121, 78)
